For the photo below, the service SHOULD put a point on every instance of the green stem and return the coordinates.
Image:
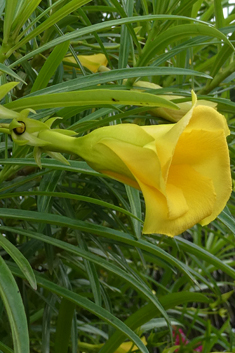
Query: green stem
(90, 347)
(4, 50)
(218, 79)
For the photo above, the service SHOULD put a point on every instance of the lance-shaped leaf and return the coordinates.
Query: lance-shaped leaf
(94, 97)
(12, 301)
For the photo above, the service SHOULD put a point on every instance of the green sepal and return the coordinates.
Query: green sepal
(29, 139)
(14, 124)
(58, 156)
(66, 132)
(25, 112)
(50, 121)
(37, 153)
(33, 125)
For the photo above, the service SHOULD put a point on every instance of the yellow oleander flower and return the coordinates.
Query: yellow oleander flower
(182, 169)
(91, 62)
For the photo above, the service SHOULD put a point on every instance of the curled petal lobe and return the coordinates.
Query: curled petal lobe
(140, 161)
(176, 203)
(208, 154)
(195, 203)
(165, 143)
(206, 118)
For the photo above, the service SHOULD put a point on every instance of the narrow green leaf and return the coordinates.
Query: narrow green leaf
(21, 261)
(115, 75)
(37, 19)
(219, 16)
(46, 322)
(8, 19)
(97, 260)
(47, 186)
(196, 7)
(5, 349)
(50, 66)
(92, 273)
(134, 199)
(98, 230)
(100, 26)
(54, 18)
(96, 97)
(87, 305)
(12, 301)
(125, 40)
(205, 255)
(146, 313)
(23, 15)
(63, 327)
(44, 204)
(122, 12)
(222, 56)
(228, 220)
(176, 33)
(64, 195)
(2, 6)
(79, 167)
(10, 72)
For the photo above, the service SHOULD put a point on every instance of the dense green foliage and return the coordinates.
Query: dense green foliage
(76, 274)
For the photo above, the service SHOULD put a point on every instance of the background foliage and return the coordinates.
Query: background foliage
(76, 273)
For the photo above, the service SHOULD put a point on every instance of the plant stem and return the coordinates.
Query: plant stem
(218, 79)
(87, 347)
(4, 49)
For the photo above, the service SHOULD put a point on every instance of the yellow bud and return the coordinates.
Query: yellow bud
(91, 62)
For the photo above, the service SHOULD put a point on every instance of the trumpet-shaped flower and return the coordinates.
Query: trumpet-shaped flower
(182, 169)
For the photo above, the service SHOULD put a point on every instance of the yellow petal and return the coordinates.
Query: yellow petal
(104, 160)
(129, 133)
(176, 202)
(207, 152)
(142, 163)
(99, 149)
(120, 177)
(200, 204)
(166, 142)
(208, 119)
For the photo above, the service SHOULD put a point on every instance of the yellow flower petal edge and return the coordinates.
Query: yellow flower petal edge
(183, 169)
